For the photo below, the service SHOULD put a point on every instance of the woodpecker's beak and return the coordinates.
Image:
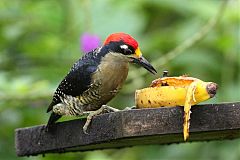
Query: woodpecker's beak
(139, 59)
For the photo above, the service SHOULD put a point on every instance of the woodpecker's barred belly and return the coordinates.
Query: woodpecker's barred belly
(75, 106)
(69, 106)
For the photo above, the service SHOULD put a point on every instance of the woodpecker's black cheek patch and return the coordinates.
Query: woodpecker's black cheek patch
(127, 51)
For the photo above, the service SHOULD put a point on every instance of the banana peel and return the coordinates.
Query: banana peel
(176, 91)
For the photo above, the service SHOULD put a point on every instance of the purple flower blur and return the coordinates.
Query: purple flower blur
(89, 42)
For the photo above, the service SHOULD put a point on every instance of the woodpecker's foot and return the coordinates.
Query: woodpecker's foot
(108, 109)
(103, 109)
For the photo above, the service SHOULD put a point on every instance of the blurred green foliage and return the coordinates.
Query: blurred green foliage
(39, 41)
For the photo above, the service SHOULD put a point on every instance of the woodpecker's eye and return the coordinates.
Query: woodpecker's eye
(126, 50)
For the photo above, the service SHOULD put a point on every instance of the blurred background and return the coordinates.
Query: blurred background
(40, 41)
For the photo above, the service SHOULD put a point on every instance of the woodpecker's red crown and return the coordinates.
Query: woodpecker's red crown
(126, 38)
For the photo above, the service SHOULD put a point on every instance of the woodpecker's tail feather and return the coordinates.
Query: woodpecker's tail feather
(53, 118)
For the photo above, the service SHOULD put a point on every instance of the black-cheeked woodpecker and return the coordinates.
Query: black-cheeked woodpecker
(96, 78)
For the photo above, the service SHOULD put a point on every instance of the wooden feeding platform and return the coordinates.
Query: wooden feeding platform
(130, 128)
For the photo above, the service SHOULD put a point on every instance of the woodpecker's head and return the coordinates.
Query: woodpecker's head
(126, 45)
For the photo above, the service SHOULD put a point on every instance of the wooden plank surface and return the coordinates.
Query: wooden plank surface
(133, 127)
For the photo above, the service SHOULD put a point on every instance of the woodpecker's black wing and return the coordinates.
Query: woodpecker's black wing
(76, 82)
(78, 79)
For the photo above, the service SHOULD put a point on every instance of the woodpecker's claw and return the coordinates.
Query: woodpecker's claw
(103, 109)
(89, 118)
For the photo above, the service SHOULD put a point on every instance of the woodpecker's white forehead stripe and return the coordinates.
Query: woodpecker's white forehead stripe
(124, 46)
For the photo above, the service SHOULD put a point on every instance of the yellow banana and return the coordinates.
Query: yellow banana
(176, 91)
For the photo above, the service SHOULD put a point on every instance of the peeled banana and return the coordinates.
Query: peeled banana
(176, 91)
